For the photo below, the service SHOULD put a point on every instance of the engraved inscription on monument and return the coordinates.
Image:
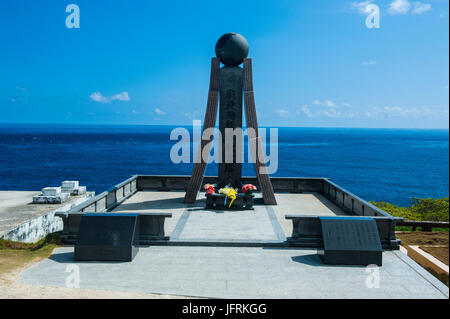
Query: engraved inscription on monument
(350, 241)
(107, 237)
(230, 117)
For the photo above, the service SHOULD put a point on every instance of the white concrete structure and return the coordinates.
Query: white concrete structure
(25, 221)
(51, 191)
(73, 188)
(69, 185)
(61, 194)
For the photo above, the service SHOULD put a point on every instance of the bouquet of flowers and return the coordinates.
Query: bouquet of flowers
(248, 189)
(210, 189)
(230, 193)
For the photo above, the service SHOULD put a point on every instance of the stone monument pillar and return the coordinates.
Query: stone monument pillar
(231, 49)
(230, 118)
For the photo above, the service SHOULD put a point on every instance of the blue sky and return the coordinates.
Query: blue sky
(147, 62)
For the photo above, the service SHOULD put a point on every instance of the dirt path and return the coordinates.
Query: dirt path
(440, 253)
(424, 238)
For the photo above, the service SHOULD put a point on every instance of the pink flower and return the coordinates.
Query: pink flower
(209, 188)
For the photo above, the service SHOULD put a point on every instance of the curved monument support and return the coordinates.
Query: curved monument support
(255, 143)
(209, 122)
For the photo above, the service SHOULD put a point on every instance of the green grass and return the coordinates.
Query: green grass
(15, 255)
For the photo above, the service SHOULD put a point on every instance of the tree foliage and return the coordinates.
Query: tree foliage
(429, 209)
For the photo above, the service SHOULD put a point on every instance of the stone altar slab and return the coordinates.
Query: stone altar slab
(107, 237)
(350, 241)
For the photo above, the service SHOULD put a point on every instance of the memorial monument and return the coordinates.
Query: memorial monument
(356, 238)
(228, 87)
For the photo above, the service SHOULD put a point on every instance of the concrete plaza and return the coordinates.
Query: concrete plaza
(208, 270)
(240, 272)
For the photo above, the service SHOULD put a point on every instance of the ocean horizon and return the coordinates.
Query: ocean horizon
(392, 165)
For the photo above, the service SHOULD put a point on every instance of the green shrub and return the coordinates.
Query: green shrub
(429, 209)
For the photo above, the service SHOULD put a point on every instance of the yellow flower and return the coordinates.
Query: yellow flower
(230, 192)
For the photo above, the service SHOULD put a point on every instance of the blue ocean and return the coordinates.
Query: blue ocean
(375, 164)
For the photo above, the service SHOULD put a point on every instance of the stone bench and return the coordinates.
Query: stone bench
(151, 227)
(307, 232)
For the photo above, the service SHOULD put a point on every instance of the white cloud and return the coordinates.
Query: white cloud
(191, 115)
(332, 113)
(18, 99)
(326, 103)
(159, 111)
(398, 111)
(369, 62)
(361, 7)
(134, 112)
(307, 111)
(283, 113)
(420, 7)
(98, 97)
(399, 7)
(374, 112)
(403, 7)
(395, 7)
(346, 104)
(121, 97)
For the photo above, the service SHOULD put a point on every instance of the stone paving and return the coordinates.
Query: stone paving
(240, 272)
(216, 226)
(191, 222)
(209, 270)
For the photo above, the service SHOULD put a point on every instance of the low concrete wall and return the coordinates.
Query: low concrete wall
(109, 199)
(352, 204)
(39, 227)
(180, 183)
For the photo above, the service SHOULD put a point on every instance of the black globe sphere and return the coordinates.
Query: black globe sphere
(231, 49)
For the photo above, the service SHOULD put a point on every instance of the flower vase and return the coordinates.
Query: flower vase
(248, 201)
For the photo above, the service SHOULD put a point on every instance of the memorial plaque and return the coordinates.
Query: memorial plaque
(230, 117)
(107, 237)
(350, 241)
